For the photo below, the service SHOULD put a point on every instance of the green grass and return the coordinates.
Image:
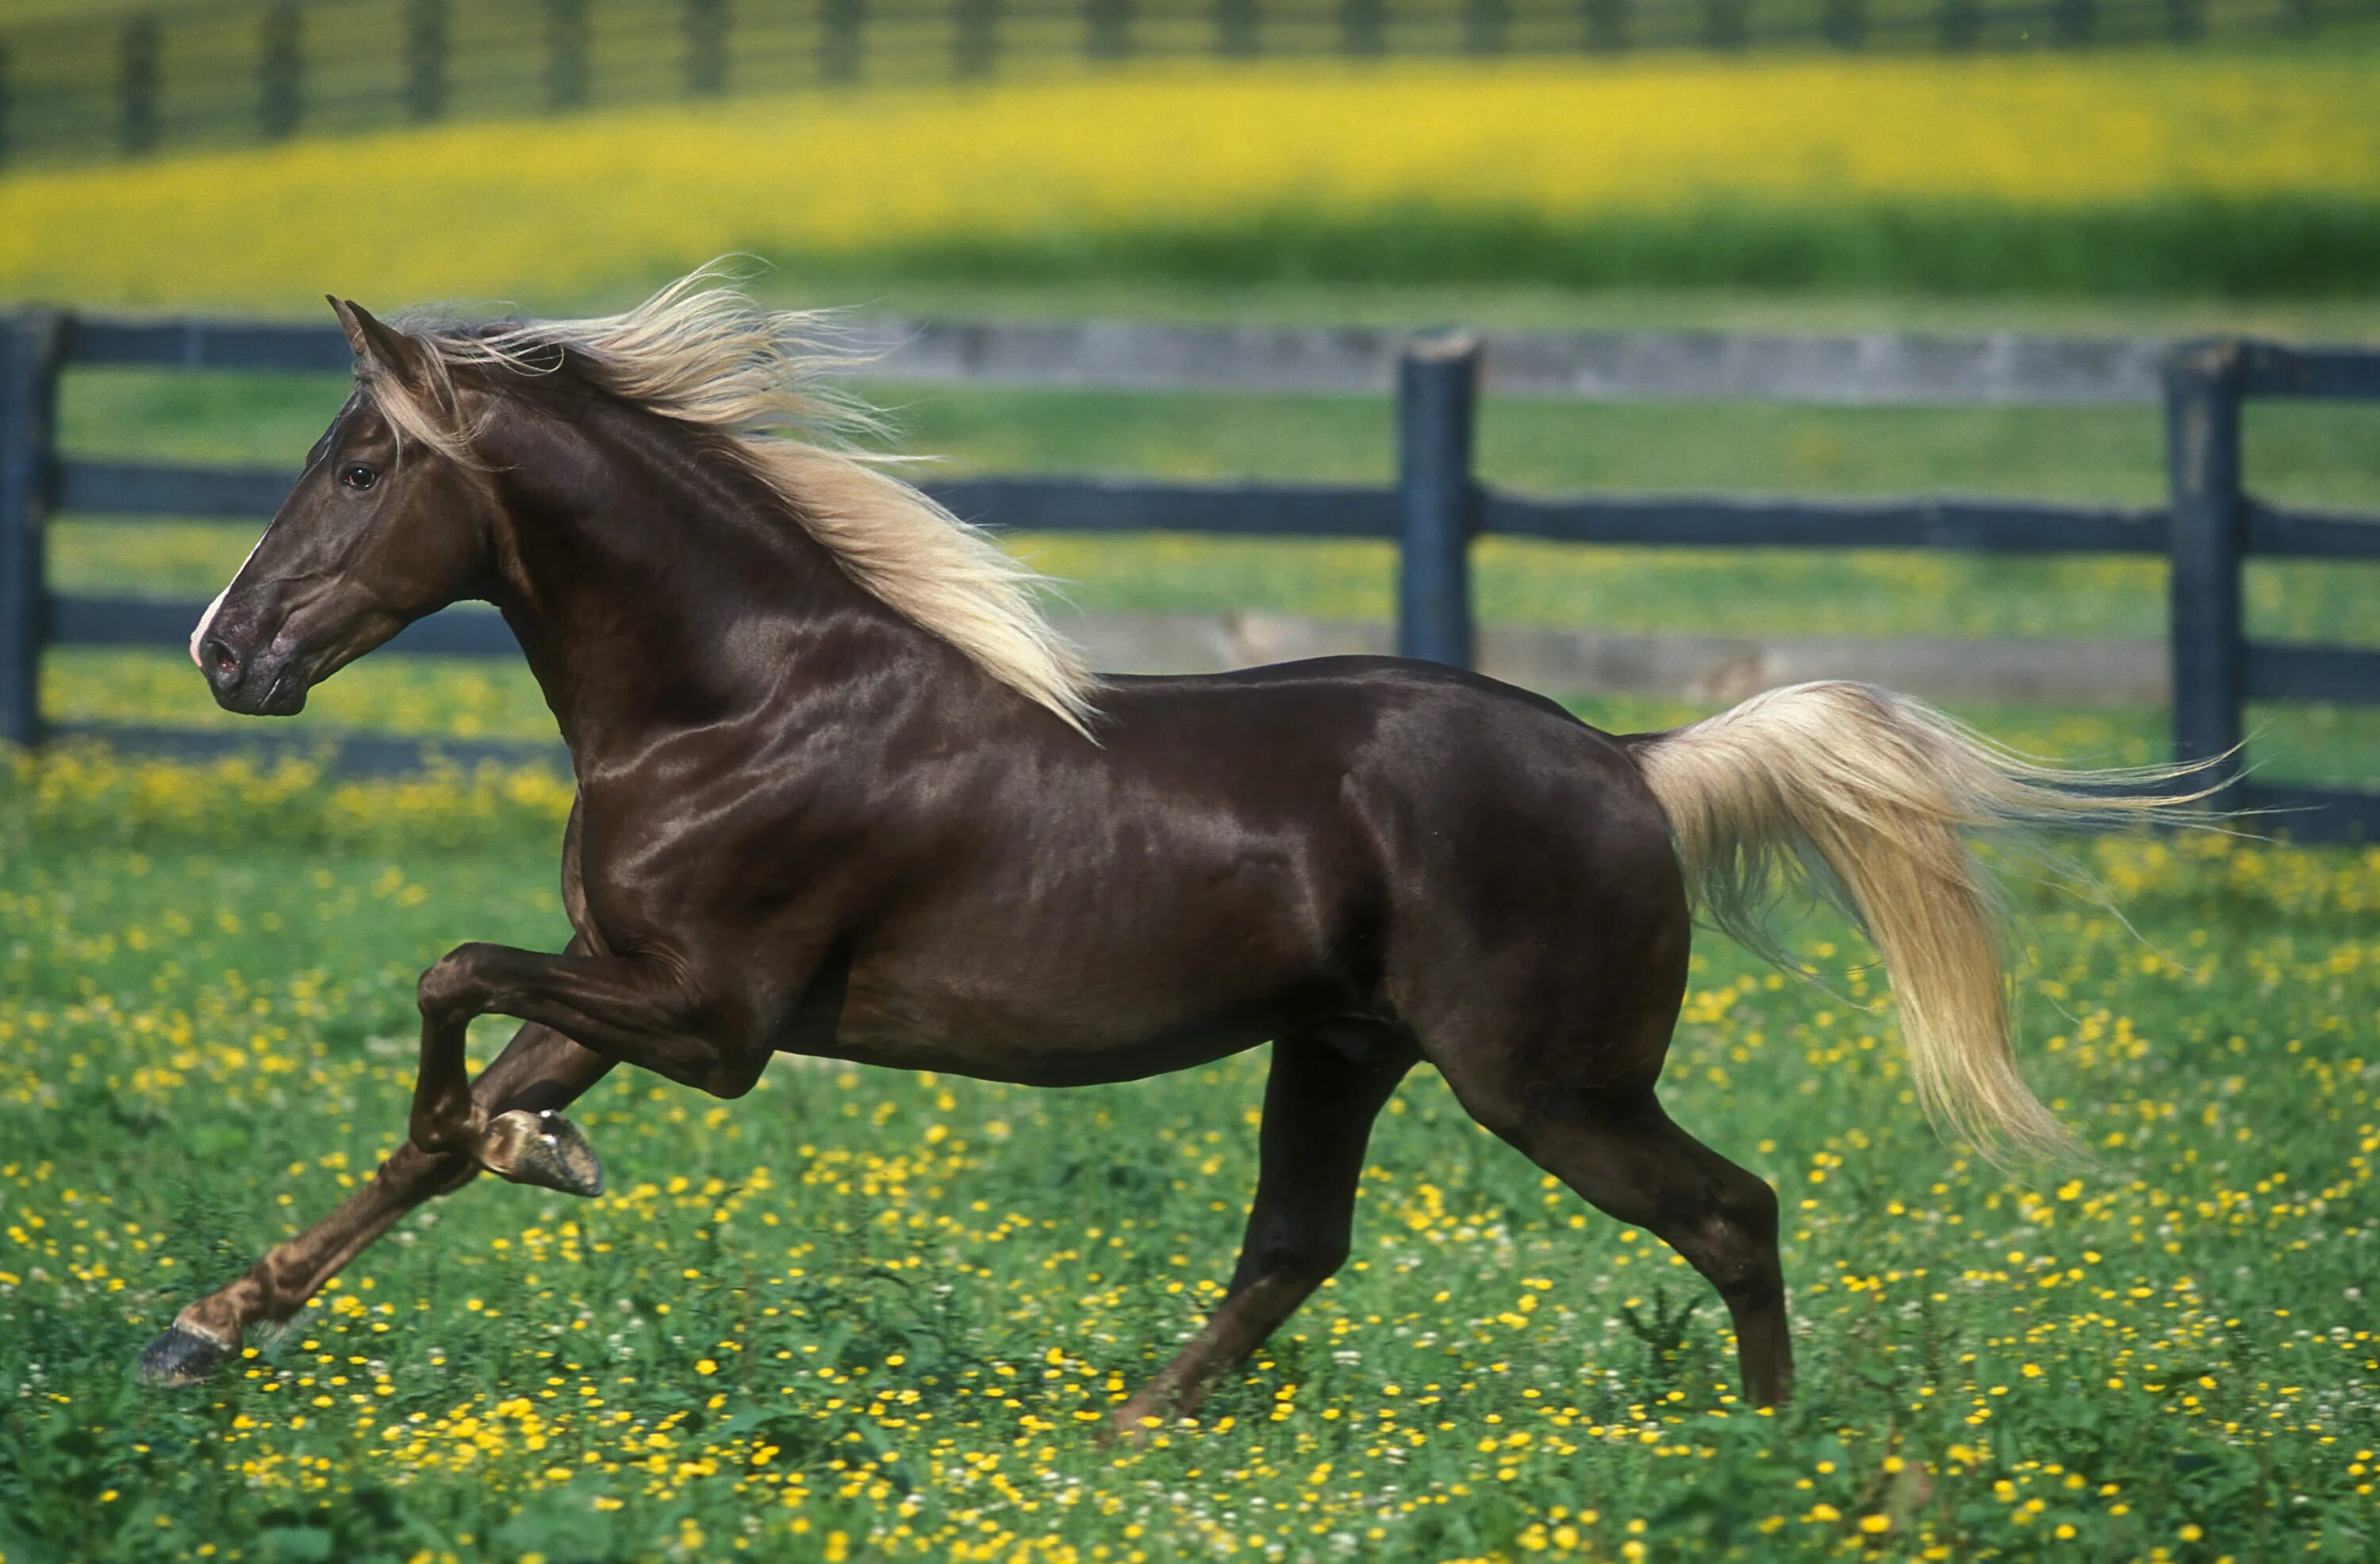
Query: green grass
(886, 1305)
(2267, 247)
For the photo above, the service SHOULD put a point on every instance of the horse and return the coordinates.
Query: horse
(843, 792)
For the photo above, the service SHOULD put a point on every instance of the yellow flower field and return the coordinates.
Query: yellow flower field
(570, 209)
(868, 1315)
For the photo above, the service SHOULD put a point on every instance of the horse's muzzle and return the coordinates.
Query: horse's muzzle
(269, 680)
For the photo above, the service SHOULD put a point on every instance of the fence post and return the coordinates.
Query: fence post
(1607, 26)
(1437, 390)
(1107, 29)
(136, 85)
(566, 56)
(2205, 539)
(842, 39)
(425, 59)
(1236, 34)
(280, 71)
(705, 48)
(29, 372)
(1485, 23)
(975, 40)
(1363, 27)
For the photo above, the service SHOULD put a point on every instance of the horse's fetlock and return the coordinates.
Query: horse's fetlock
(443, 1132)
(211, 1321)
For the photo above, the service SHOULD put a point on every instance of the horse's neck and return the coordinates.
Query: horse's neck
(670, 592)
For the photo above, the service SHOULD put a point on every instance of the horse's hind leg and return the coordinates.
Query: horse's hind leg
(539, 1072)
(1633, 1162)
(1626, 1157)
(1319, 1104)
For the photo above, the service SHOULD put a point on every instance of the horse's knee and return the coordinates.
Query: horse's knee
(447, 984)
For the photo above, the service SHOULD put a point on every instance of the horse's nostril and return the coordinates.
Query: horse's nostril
(220, 653)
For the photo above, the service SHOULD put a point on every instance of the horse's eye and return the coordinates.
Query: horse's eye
(356, 475)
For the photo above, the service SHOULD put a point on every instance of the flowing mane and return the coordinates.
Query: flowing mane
(707, 355)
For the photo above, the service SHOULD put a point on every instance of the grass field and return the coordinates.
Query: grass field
(863, 1315)
(2243, 172)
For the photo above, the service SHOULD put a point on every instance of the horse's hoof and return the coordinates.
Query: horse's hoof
(181, 1357)
(542, 1148)
(1126, 1425)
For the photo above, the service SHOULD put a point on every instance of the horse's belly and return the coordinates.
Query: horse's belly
(957, 1053)
(1051, 1014)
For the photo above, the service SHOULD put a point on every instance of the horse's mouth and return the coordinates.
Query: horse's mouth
(282, 695)
(286, 696)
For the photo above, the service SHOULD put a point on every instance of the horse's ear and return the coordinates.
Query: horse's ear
(375, 343)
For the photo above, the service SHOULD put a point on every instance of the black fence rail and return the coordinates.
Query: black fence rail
(131, 81)
(2210, 529)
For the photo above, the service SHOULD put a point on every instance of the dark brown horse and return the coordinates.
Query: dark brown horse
(842, 793)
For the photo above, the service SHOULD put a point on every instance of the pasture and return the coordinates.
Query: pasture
(864, 1314)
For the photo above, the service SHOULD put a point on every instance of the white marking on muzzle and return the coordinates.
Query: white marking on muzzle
(213, 608)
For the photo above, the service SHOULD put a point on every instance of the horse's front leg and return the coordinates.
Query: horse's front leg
(638, 1010)
(538, 1073)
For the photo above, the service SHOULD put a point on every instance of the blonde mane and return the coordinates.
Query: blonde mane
(706, 354)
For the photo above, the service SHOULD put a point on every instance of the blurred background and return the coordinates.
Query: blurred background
(1931, 195)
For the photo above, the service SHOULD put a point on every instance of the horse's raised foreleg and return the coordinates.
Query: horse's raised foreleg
(539, 1072)
(633, 1011)
(1319, 1104)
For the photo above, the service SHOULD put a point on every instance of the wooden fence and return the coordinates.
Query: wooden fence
(1438, 505)
(134, 80)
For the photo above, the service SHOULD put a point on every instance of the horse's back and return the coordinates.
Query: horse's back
(1420, 740)
(1480, 808)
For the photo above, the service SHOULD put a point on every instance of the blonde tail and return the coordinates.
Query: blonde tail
(1868, 794)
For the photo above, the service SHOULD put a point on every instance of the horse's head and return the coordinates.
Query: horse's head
(382, 529)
